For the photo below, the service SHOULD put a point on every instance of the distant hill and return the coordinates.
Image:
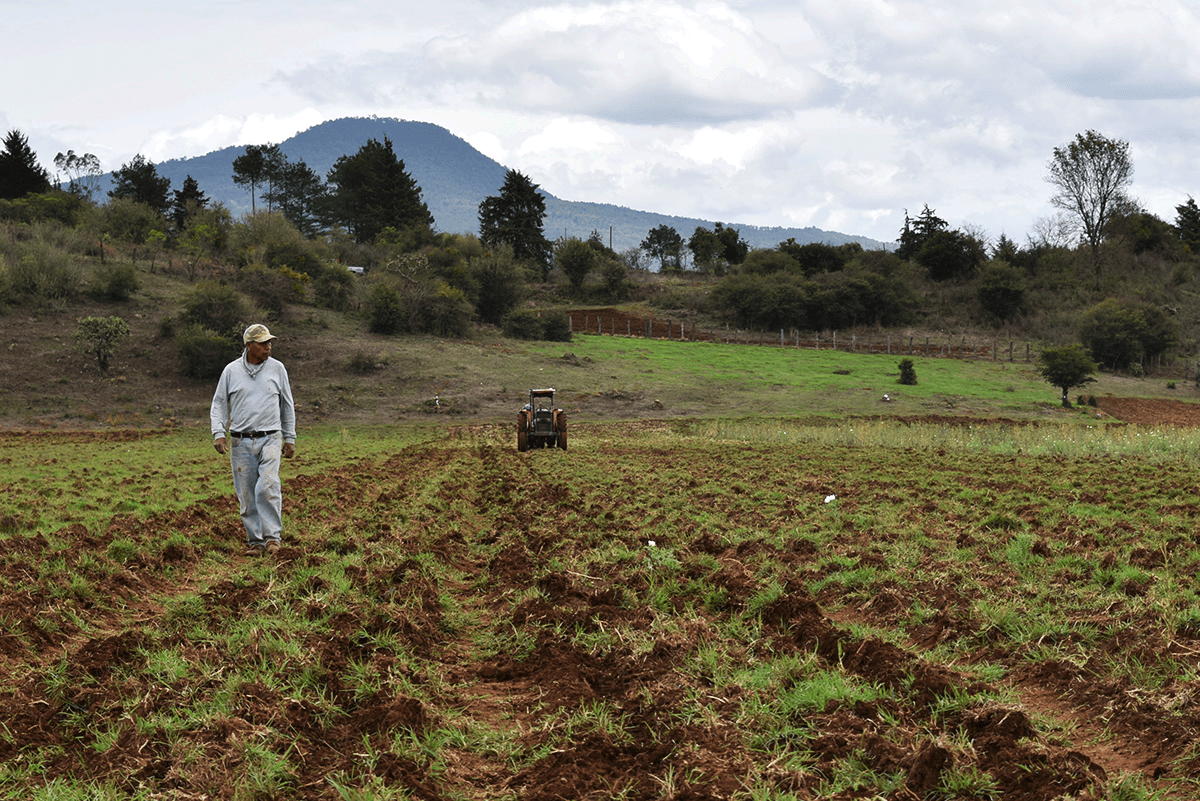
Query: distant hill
(454, 177)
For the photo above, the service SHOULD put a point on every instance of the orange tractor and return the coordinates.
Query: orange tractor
(539, 424)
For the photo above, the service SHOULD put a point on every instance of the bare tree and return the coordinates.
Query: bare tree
(1055, 231)
(83, 172)
(1091, 175)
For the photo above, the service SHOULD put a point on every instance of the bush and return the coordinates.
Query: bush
(501, 282)
(556, 327)
(126, 220)
(332, 285)
(576, 259)
(257, 235)
(908, 373)
(46, 272)
(270, 289)
(216, 307)
(450, 313)
(56, 205)
(949, 254)
(1001, 291)
(203, 353)
(363, 363)
(385, 310)
(524, 324)
(1122, 334)
(116, 281)
(532, 324)
(100, 337)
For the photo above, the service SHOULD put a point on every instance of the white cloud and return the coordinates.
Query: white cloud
(770, 112)
(222, 131)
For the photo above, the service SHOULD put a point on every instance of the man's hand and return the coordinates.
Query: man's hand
(289, 450)
(219, 444)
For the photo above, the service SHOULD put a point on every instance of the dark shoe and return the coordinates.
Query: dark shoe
(255, 549)
(272, 547)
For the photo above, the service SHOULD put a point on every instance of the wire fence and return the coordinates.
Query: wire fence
(614, 323)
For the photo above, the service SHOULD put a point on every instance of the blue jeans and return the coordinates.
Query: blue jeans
(255, 464)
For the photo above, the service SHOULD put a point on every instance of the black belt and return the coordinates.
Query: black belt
(252, 434)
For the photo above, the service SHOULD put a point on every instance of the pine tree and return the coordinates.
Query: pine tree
(301, 197)
(1187, 222)
(249, 169)
(372, 191)
(20, 172)
(514, 217)
(188, 201)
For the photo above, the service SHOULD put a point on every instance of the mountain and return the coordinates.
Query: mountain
(454, 178)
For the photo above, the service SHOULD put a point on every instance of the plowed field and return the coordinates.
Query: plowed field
(649, 615)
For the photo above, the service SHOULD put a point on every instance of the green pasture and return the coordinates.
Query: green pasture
(730, 380)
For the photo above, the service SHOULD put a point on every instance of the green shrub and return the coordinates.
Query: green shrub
(46, 272)
(556, 326)
(116, 281)
(385, 310)
(203, 353)
(56, 205)
(1122, 334)
(1001, 291)
(524, 324)
(269, 289)
(126, 220)
(499, 283)
(216, 307)
(449, 312)
(100, 337)
(256, 235)
(332, 285)
(362, 362)
(908, 373)
(535, 324)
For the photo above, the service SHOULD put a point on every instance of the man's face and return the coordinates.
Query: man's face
(257, 352)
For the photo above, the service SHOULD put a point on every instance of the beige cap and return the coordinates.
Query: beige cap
(257, 333)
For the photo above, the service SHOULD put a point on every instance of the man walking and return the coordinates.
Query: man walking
(254, 402)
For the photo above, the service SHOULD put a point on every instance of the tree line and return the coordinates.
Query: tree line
(304, 230)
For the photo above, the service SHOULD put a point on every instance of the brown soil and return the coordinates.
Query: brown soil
(704, 759)
(1151, 411)
(66, 685)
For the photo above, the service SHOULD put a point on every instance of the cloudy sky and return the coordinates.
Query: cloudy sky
(838, 114)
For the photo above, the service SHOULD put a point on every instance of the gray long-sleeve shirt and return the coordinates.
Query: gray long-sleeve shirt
(254, 397)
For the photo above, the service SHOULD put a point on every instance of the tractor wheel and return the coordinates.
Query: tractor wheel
(560, 423)
(522, 431)
(562, 440)
(522, 441)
